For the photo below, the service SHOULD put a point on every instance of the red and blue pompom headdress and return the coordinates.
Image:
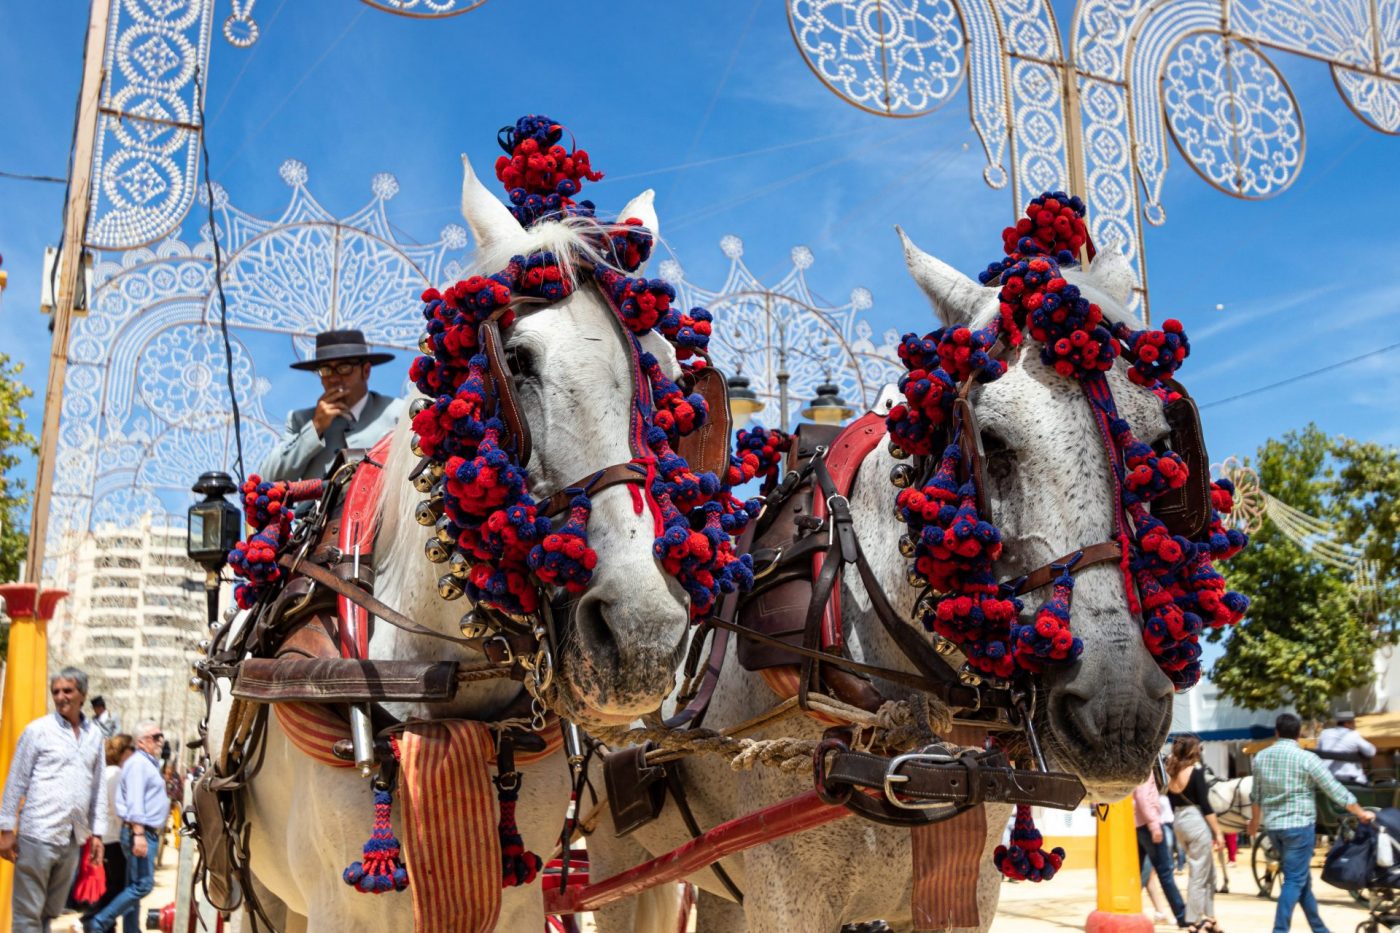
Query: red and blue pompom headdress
(1169, 580)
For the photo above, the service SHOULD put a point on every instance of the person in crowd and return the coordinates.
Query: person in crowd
(1286, 777)
(105, 720)
(57, 773)
(120, 747)
(1153, 853)
(347, 414)
(1344, 739)
(1196, 829)
(143, 806)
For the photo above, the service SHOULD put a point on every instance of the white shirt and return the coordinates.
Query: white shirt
(58, 775)
(1347, 741)
(358, 407)
(110, 779)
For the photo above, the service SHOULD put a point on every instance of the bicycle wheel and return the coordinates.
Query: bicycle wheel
(1264, 863)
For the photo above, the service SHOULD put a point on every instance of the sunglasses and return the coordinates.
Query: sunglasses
(156, 736)
(343, 368)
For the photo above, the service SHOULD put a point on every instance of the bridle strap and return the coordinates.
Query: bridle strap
(615, 475)
(1074, 562)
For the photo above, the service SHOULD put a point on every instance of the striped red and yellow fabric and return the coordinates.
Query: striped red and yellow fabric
(948, 859)
(451, 847)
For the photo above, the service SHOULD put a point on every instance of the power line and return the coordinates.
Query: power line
(20, 176)
(1307, 375)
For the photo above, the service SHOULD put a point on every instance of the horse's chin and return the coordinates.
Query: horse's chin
(1109, 770)
(615, 698)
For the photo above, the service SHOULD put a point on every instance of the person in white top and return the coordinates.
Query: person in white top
(1344, 739)
(119, 748)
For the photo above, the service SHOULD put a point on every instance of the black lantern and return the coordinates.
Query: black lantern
(214, 528)
(828, 407)
(743, 401)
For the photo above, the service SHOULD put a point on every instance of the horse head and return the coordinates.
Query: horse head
(574, 377)
(1050, 489)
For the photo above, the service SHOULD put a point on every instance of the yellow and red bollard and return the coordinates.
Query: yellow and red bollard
(26, 686)
(1119, 873)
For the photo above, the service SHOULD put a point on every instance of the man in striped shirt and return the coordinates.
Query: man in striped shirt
(1286, 777)
(57, 773)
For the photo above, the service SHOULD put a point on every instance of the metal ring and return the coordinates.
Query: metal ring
(824, 792)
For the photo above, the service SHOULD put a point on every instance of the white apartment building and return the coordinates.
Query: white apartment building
(134, 613)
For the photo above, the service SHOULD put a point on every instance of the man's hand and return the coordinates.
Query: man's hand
(1253, 827)
(1361, 813)
(9, 845)
(139, 846)
(1157, 836)
(329, 406)
(96, 852)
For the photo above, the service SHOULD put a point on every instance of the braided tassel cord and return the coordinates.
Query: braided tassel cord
(518, 865)
(381, 869)
(1025, 859)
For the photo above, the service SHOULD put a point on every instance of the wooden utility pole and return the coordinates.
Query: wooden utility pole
(70, 277)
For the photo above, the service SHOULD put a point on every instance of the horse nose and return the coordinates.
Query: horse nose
(1104, 709)
(591, 623)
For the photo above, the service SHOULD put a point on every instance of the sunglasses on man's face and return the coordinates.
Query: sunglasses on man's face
(156, 737)
(339, 369)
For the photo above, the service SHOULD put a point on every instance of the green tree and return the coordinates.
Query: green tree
(1311, 633)
(14, 439)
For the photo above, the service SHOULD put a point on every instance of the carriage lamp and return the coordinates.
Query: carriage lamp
(214, 528)
(828, 407)
(743, 401)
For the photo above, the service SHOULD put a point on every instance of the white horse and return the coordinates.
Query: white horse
(1103, 717)
(309, 821)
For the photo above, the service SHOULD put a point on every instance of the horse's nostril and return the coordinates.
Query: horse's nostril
(1077, 719)
(591, 621)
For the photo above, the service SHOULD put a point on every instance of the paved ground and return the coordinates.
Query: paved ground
(1065, 902)
(1061, 905)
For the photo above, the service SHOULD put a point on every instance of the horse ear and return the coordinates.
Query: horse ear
(955, 297)
(1112, 273)
(490, 220)
(643, 208)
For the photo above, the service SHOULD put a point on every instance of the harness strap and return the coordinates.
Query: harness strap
(910, 788)
(1100, 553)
(504, 648)
(614, 475)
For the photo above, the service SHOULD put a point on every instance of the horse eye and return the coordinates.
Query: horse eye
(521, 362)
(992, 445)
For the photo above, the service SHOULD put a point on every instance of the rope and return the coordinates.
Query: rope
(898, 725)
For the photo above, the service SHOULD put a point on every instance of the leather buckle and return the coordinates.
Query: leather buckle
(892, 777)
(507, 656)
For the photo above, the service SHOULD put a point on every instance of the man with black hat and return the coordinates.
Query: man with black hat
(347, 414)
(1343, 739)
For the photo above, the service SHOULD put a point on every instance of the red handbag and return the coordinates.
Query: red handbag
(92, 880)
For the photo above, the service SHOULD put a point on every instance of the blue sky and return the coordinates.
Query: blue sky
(773, 157)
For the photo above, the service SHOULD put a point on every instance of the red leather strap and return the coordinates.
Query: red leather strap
(357, 530)
(844, 458)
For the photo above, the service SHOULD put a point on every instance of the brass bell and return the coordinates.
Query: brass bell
(428, 512)
(446, 531)
(230, 613)
(472, 626)
(418, 404)
(459, 565)
(899, 453)
(215, 628)
(425, 346)
(969, 677)
(913, 576)
(435, 550)
(197, 669)
(196, 685)
(424, 481)
(902, 476)
(415, 444)
(449, 587)
(943, 645)
(203, 646)
(907, 544)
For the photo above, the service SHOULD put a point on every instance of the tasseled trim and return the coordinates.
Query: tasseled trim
(381, 868)
(519, 866)
(1026, 859)
(1049, 639)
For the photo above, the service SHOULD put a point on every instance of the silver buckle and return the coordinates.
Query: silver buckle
(892, 776)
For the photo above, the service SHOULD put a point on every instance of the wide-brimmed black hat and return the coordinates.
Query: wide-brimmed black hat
(335, 345)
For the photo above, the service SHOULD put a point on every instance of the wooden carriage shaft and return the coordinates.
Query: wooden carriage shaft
(794, 815)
